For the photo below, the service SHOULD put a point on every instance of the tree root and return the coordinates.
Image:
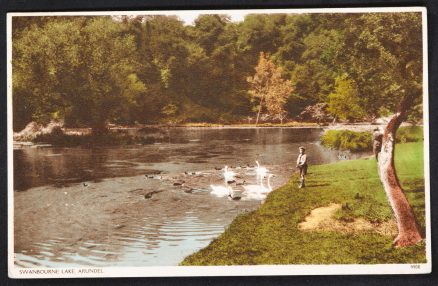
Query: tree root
(406, 240)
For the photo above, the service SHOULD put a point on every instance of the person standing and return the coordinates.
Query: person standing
(377, 142)
(302, 166)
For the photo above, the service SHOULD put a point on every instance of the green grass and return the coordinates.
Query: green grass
(269, 235)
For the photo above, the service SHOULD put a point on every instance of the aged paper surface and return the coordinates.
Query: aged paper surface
(218, 143)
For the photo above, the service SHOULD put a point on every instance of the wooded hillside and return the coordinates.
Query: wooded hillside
(88, 71)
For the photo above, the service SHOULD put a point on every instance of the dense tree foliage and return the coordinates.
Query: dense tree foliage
(344, 102)
(88, 71)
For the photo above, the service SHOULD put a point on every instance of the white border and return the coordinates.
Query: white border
(426, 139)
(256, 270)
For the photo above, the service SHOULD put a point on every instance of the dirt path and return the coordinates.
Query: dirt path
(321, 219)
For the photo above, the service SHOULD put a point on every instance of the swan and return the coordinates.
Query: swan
(269, 188)
(220, 191)
(254, 196)
(254, 192)
(259, 188)
(261, 171)
(259, 191)
(228, 175)
(224, 191)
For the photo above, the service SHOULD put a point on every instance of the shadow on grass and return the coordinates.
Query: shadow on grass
(317, 185)
(419, 190)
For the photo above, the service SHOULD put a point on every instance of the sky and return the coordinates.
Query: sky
(190, 16)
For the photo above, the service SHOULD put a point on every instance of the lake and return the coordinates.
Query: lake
(175, 223)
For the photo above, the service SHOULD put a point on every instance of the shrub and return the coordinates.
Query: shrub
(347, 140)
(409, 134)
(362, 141)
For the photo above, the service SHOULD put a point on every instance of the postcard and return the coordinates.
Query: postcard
(218, 143)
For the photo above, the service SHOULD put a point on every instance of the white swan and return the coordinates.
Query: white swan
(220, 191)
(254, 196)
(254, 192)
(261, 171)
(269, 188)
(259, 188)
(224, 191)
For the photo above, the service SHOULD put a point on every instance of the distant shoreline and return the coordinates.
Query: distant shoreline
(349, 126)
(86, 133)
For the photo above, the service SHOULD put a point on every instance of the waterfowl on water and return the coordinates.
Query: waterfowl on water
(229, 175)
(220, 191)
(261, 171)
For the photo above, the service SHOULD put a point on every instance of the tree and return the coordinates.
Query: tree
(145, 100)
(80, 68)
(127, 69)
(259, 33)
(317, 112)
(314, 73)
(268, 86)
(277, 97)
(344, 102)
(170, 111)
(34, 78)
(386, 62)
(208, 29)
(409, 231)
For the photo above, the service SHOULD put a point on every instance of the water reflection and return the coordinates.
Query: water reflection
(150, 243)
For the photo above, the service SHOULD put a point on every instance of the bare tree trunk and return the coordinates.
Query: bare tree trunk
(408, 230)
(334, 121)
(260, 110)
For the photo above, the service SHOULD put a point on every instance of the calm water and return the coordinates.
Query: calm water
(183, 149)
(163, 239)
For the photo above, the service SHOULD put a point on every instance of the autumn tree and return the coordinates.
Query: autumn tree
(277, 97)
(268, 86)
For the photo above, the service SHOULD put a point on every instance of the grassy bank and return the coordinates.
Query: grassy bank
(270, 234)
